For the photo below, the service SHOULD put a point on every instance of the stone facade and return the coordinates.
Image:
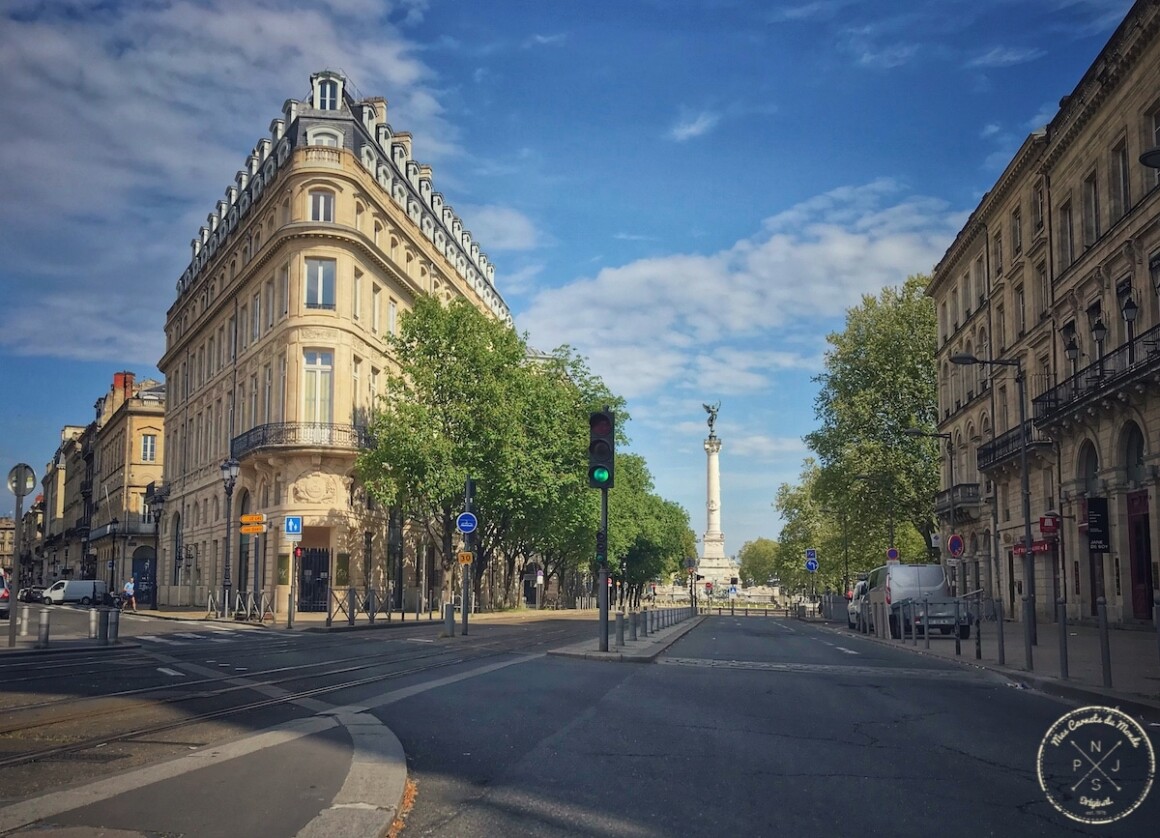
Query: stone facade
(275, 353)
(1058, 271)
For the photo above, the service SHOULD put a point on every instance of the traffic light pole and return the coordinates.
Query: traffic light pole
(602, 575)
(469, 538)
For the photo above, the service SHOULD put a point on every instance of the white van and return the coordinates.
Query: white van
(84, 591)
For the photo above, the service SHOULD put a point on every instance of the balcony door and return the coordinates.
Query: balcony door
(1140, 555)
(318, 395)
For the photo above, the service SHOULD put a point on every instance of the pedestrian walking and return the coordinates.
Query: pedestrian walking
(130, 597)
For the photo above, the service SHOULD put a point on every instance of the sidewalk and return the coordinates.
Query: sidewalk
(1134, 655)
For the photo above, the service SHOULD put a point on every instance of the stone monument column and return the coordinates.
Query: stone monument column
(714, 565)
(714, 540)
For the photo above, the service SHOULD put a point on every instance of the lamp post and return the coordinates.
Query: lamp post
(156, 502)
(1129, 310)
(230, 470)
(1099, 332)
(113, 522)
(918, 432)
(1029, 633)
(1072, 353)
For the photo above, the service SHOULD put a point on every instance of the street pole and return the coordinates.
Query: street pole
(1028, 555)
(846, 554)
(602, 582)
(469, 538)
(951, 459)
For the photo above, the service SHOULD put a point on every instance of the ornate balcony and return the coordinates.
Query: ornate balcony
(967, 502)
(299, 435)
(1005, 447)
(1128, 364)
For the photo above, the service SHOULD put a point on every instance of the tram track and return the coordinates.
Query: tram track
(131, 704)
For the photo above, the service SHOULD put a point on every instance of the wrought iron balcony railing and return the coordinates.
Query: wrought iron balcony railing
(966, 499)
(299, 435)
(1126, 362)
(1005, 446)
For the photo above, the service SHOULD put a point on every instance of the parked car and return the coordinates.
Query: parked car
(84, 591)
(893, 585)
(31, 593)
(854, 609)
(4, 597)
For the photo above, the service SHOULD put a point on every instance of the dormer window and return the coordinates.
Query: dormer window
(328, 95)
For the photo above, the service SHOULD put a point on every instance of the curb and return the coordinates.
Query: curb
(626, 655)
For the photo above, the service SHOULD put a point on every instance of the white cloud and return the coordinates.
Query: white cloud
(694, 126)
(544, 40)
(730, 318)
(498, 228)
(1006, 57)
(989, 131)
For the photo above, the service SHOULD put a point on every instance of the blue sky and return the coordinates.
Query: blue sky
(690, 192)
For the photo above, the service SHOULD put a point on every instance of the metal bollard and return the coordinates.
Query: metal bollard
(1105, 650)
(25, 619)
(1156, 619)
(619, 629)
(114, 625)
(913, 623)
(42, 630)
(103, 628)
(999, 629)
(633, 618)
(350, 603)
(371, 607)
(644, 622)
(94, 623)
(958, 631)
(1061, 618)
(289, 611)
(449, 619)
(926, 622)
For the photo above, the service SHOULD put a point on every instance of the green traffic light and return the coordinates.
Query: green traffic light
(600, 474)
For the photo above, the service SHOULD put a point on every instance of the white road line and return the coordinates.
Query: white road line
(172, 672)
(847, 651)
(187, 635)
(155, 639)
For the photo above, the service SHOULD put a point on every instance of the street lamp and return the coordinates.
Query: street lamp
(156, 502)
(918, 432)
(113, 522)
(1129, 310)
(1151, 158)
(1099, 332)
(230, 470)
(1029, 633)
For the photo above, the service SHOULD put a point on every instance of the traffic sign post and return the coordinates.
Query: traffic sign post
(466, 556)
(21, 482)
(892, 554)
(253, 518)
(466, 523)
(812, 565)
(292, 528)
(251, 529)
(955, 545)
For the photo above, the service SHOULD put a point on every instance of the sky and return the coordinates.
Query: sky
(691, 193)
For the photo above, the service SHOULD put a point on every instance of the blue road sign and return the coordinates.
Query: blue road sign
(293, 525)
(955, 545)
(812, 565)
(466, 522)
(892, 554)
(812, 553)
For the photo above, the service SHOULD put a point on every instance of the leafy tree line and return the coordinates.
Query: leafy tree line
(466, 399)
(869, 485)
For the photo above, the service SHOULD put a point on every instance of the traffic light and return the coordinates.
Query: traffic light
(601, 547)
(601, 449)
(298, 553)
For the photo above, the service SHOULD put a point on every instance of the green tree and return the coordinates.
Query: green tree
(880, 379)
(758, 561)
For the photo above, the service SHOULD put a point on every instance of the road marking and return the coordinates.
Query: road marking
(172, 672)
(847, 651)
(152, 638)
(419, 640)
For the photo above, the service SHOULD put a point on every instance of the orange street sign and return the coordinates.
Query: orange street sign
(251, 529)
(256, 518)
(466, 556)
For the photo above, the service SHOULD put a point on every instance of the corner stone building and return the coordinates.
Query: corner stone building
(275, 354)
(1058, 269)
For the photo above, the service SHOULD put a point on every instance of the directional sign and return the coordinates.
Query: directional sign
(812, 565)
(251, 529)
(466, 522)
(955, 545)
(466, 556)
(255, 518)
(293, 525)
(812, 553)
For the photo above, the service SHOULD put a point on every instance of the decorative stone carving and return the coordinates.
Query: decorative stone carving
(314, 487)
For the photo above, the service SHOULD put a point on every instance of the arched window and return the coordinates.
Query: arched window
(328, 95)
(1133, 449)
(324, 138)
(1088, 468)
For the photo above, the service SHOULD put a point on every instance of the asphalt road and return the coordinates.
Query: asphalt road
(744, 727)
